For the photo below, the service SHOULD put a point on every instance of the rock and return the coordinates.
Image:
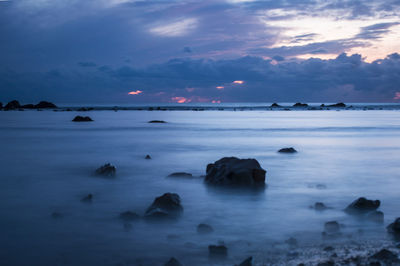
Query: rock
(28, 106)
(394, 227)
(148, 157)
(319, 206)
(234, 171)
(337, 105)
(204, 229)
(287, 150)
(44, 105)
(275, 105)
(362, 206)
(157, 121)
(84, 109)
(79, 118)
(217, 251)
(87, 198)
(173, 262)
(328, 248)
(1, 105)
(129, 216)
(291, 241)
(106, 170)
(386, 256)
(165, 206)
(332, 227)
(326, 263)
(375, 216)
(300, 105)
(12, 105)
(247, 262)
(180, 174)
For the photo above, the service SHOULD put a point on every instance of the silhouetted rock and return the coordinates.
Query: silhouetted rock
(375, 216)
(106, 170)
(84, 109)
(234, 171)
(394, 227)
(88, 198)
(287, 150)
(129, 216)
(337, 105)
(28, 106)
(275, 105)
(217, 251)
(1, 105)
(300, 105)
(79, 118)
(173, 262)
(326, 263)
(148, 157)
(362, 206)
(157, 121)
(319, 206)
(12, 105)
(181, 174)
(247, 262)
(44, 105)
(386, 256)
(332, 227)
(165, 206)
(204, 229)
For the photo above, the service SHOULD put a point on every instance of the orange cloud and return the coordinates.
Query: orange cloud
(215, 101)
(238, 82)
(181, 100)
(135, 92)
(220, 87)
(397, 96)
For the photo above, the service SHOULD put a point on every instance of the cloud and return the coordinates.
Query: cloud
(176, 28)
(87, 64)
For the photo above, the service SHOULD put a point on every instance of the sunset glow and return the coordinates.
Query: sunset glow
(135, 92)
(220, 87)
(181, 100)
(215, 101)
(397, 96)
(238, 82)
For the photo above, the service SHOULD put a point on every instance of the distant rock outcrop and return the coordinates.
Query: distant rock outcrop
(12, 105)
(165, 206)
(173, 262)
(234, 171)
(204, 229)
(157, 122)
(275, 105)
(79, 118)
(44, 105)
(148, 157)
(181, 174)
(337, 105)
(287, 150)
(106, 170)
(217, 251)
(300, 105)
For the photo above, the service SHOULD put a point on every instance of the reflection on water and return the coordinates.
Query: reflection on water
(48, 162)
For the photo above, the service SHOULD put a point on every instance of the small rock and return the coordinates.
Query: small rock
(129, 216)
(88, 198)
(300, 105)
(148, 157)
(204, 229)
(362, 206)
(319, 206)
(275, 105)
(173, 262)
(157, 122)
(328, 248)
(332, 227)
(375, 216)
(106, 170)
(79, 118)
(217, 251)
(287, 150)
(326, 263)
(165, 206)
(180, 174)
(386, 256)
(291, 241)
(394, 227)
(247, 262)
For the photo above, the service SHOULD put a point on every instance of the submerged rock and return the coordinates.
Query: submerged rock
(204, 229)
(319, 206)
(129, 216)
(28, 106)
(247, 262)
(79, 118)
(106, 170)
(375, 216)
(394, 227)
(180, 174)
(291, 241)
(332, 227)
(287, 150)
(234, 171)
(173, 262)
(12, 105)
(44, 105)
(157, 121)
(88, 198)
(217, 251)
(165, 206)
(362, 206)
(300, 105)
(386, 256)
(148, 157)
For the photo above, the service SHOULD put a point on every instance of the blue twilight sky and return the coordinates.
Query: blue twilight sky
(130, 51)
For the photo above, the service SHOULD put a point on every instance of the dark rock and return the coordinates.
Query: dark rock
(394, 227)
(386, 256)
(204, 229)
(247, 262)
(328, 248)
(234, 171)
(180, 174)
(87, 198)
(165, 206)
(1, 105)
(44, 105)
(129, 216)
(291, 241)
(12, 105)
(332, 227)
(79, 118)
(217, 251)
(300, 105)
(275, 105)
(326, 263)
(28, 106)
(375, 216)
(157, 121)
(173, 262)
(84, 109)
(319, 206)
(362, 206)
(287, 150)
(148, 157)
(337, 105)
(106, 170)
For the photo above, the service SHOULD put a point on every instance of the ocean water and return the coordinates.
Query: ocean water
(47, 166)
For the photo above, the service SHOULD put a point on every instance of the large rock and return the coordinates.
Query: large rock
(287, 150)
(362, 206)
(12, 105)
(337, 105)
(394, 227)
(79, 118)
(44, 105)
(386, 256)
(234, 171)
(165, 206)
(217, 251)
(106, 170)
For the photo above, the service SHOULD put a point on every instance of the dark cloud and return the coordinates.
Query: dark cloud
(375, 31)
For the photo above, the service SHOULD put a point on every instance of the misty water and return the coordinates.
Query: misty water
(48, 162)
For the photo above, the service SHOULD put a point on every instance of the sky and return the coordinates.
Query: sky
(132, 51)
